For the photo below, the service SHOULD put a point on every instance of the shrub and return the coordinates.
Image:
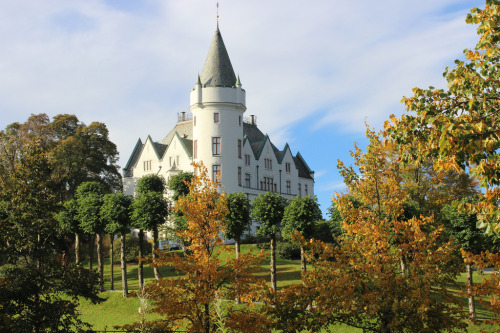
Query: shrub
(131, 248)
(288, 250)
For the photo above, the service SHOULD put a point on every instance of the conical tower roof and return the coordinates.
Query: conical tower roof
(218, 71)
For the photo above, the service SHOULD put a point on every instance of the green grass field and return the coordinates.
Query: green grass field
(116, 310)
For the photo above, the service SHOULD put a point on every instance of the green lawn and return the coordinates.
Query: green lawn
(119, 311)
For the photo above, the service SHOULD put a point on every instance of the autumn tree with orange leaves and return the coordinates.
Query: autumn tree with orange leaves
(389, 273)
(189, 300)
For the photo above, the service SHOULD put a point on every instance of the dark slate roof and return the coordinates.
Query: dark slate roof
(218, 71)
(160, 149)
(302, 167)
(188, 144)
(184, 129)
(127, 171)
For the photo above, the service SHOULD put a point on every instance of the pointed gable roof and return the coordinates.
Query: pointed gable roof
(218, 71)
(127, 171)
(302, 167)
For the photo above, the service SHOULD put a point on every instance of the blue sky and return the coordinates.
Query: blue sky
(313, 71)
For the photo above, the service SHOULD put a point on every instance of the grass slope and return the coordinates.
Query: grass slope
(117, 310)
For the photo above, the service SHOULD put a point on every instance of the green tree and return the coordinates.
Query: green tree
(149, 211)
(89, 197)
(115, 212)
(238, 220)
(300, 215)
(268, 209)
(473, 240)
(178, 185)
(68, 222)
(36, 277)
(458, 127)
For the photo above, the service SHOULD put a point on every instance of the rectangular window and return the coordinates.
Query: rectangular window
(268, 163)
(239, 176)
(216, 146)
(195, 149)
(170, 161)
(239, 148)
(194, 121)
(216, 173)
(305, 188)
(288, 187)
(147, 165)
(247, 159)
(300, 191)
(247, 180)
(287, 167)
(216, 117)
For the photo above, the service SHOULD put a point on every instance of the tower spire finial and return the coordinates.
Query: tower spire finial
(217, 16)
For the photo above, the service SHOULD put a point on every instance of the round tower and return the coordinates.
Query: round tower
(217, 103)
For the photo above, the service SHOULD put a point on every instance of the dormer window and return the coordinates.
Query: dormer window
(287, 167)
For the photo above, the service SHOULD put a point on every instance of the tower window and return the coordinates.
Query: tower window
(216, 173)
(216, 146)
(239, 120)
(194, 121)
(216, 117)
(195, 149)
(239, 148)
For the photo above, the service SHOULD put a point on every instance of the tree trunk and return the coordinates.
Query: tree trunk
(237, 248)
(139, 264)
(124, 267)
(100, 262)
(111, 250)
(91, 251)
(303, 259)
(273, 262)
(77, 248)
(402, 262)
(237, 253)
(207, 318)
(155, 255)
(470, 283)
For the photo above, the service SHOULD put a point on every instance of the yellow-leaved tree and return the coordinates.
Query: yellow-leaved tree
(390, 271)
(194, 299)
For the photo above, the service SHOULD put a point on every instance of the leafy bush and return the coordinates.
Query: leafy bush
(288, 250)
(131, 248)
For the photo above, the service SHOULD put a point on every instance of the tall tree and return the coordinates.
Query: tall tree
(360, 283)
(68, 222)
(115, 212)
(238, 219)
(459, 126)
(188, 299)
(471, 239)
(89, 197)
(150, 209)
(268, 209)
(300, 215)
(36, 276)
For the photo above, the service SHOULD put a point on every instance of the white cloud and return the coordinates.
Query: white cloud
(132, 66)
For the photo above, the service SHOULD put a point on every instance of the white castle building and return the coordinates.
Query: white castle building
(218, 134)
